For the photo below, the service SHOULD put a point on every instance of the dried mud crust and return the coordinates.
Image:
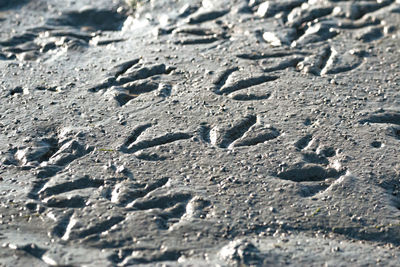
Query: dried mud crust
(200, 132)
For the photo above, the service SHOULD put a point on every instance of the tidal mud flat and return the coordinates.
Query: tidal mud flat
(193, 133)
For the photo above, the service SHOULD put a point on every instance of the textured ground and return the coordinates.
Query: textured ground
(200, 133)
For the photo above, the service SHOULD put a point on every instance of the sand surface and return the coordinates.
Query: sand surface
(200, 133)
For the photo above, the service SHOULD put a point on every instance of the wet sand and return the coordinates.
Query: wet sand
(193, 133)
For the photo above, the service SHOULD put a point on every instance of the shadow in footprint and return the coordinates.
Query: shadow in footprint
(389, 117)
(394, 131)
(311, 178)
(7, 4)
(309, 173)
(94, 19)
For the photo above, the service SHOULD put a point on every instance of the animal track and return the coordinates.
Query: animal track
(40, 151)
(314, 34)
(282, 60)
(33, 250)
(161, 202)
(201, 35)
(317, 169)
(312, 23)
(130, 79)
(73, 29)
(387, 117)
(108, 210)
(76, 230)
(114, 73)
(132, 90)
(309, 173)
(152, 256)
(92, 19)
(299, 15)
(68, 152)
(46, 155)
(143, 202)
(271, 8)
(157, 141)
(142, 72)
(245, 132)
(127, 192)
(392, 187)
(63, 184)
(282, 65)
(224, 138)
(394, 131)
(231, 81)
(250, 96)
(154, 196)
(223, 76)
(274, 54)
(11, 4)
(370, 34)
(315, 64)
(62, 193)
(204, 16)
(133, 145)
(303, 142)
(233, 86)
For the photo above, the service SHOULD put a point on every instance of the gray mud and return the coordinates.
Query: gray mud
(197, 133)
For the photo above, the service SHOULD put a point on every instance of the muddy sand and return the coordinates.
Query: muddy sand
(200, 133)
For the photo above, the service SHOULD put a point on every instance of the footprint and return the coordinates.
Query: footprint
(73, 30)
(151, 256)
(204, 16)
(63, 183)
(67, 199)
(141, 72)
(244, 132)
(159, 208)
(127, 192)
(303, 142)
(383, 117)
(197, 35)
(370, 34)
(250, 96)
(317, 170)
(241, 252)
(312, 178)
(11, 4)
(40, 151)
(299, 15)
(90, 19)
(131, 90)
(231, 81)
(47, 155)
(389, 117)
(131, 79)
(133, 145)
(78, 228)
(316, 23)
(394, 131)
(309, 173)
(271, 8)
